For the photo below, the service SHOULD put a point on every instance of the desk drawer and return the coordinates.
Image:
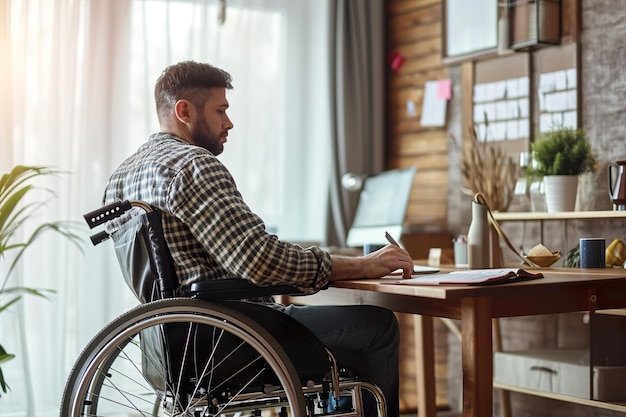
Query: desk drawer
(560, 371)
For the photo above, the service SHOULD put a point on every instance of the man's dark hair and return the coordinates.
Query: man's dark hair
(187, 80)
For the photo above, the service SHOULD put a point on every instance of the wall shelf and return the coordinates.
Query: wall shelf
(615, 406)
(542, 216)
(564, 215)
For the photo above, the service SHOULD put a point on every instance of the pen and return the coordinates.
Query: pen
(390, 239)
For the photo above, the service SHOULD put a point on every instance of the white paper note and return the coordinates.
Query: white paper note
(433, 108)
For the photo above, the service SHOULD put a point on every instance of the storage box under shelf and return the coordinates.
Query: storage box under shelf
(559, 371)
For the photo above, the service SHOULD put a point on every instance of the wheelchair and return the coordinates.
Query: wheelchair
(212, 353)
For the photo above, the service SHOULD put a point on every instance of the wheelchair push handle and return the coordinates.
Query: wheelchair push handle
(104, 214)
(110, 211)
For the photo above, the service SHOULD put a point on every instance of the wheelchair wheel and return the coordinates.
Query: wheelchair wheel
(183, 357)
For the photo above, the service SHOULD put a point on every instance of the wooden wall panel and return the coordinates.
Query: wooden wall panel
(413, 29)
(414, 143)
(426, 163)
(417, 18)
(398, 7)
(403, 80)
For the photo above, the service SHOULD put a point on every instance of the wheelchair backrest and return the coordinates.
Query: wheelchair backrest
(140, 247)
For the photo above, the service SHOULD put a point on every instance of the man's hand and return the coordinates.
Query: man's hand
(374, 265)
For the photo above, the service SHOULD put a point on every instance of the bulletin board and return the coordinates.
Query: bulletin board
(501, 101)
(524, 94)
(557, 86)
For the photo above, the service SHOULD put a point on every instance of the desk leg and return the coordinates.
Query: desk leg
(477, 357)
(505, 400)
(425, 365)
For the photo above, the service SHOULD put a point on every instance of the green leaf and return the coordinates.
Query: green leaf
(3, 385)
(15, 212)
(37, 292)
(4, 358)
(10, 303)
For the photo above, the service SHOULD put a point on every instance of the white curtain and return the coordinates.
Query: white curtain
(76, 80)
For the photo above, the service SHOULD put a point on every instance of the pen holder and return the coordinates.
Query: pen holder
(460, 254)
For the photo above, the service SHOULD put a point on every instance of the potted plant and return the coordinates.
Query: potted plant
(15, 211)
(560, 156)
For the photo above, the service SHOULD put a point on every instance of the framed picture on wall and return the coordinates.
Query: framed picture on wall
(470, 28)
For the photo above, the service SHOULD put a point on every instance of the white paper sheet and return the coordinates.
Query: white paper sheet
(433, 108)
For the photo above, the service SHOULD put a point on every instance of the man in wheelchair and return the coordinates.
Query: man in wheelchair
(212, 234)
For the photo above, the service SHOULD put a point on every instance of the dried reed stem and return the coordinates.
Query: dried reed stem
(487, 170)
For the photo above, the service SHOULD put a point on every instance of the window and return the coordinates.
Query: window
(470, 28)
(78, 87)
(275, 151)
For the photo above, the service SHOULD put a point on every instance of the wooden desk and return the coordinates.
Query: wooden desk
(561, 291)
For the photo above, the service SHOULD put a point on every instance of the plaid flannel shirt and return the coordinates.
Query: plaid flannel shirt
(210, 231)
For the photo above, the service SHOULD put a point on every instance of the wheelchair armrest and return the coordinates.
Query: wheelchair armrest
(237, 289)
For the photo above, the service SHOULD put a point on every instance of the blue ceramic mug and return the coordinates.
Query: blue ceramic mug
(592, 252)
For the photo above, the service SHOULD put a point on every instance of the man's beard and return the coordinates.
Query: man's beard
(203, 136)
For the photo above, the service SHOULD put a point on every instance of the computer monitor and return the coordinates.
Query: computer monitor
(381, 207)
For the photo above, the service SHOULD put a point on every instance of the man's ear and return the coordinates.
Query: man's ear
(184, 111)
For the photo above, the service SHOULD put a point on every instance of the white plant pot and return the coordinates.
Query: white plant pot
(560, 192)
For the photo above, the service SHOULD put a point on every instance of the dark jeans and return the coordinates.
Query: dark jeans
(363, 338)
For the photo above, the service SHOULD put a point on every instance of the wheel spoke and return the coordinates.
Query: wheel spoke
(215, 365)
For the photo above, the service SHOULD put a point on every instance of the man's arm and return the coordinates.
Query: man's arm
(374, 265)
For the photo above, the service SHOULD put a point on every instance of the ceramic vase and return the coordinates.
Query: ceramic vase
(560, 192)
(478, 237)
